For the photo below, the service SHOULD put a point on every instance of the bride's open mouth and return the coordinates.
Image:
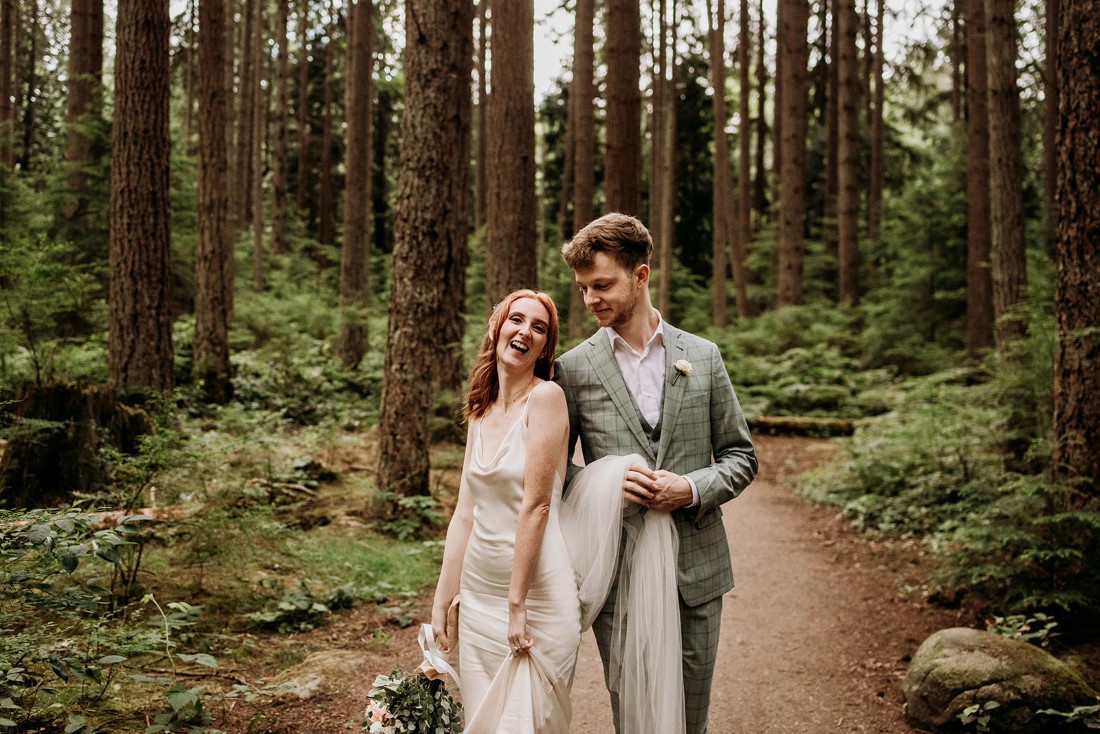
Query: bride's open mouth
(519, 347)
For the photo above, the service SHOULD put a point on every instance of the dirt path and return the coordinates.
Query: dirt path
(815, 638)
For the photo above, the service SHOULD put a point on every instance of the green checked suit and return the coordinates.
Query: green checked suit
(701, 434)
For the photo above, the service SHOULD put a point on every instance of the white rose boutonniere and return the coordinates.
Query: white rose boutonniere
(682, 367)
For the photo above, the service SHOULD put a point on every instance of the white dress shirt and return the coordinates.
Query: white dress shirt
(644, 374)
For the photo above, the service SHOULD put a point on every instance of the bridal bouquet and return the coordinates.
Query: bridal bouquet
(402, 702)
(418, 702)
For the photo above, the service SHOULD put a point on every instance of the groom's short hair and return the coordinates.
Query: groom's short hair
(621, 236)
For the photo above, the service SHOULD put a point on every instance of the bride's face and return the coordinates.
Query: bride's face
(523, 335)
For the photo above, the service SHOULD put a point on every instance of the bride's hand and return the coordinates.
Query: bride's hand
(439, 630)
(517, 631)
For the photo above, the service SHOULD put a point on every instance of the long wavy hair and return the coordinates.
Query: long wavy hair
(484, 385)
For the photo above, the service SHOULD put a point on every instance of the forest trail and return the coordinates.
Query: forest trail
(815, 637)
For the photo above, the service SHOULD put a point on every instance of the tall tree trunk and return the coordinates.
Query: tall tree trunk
(664, 163)
(878, 137)
(192, 72)
(979, 274)
(83, 102)
(429, 231)
(245, 122)
(352, 343)
(721, 225)
(832, 130)
(565, 196)
(656, 119)
(327, 202)
(623, 156)
(7, 82)
(380, 188)
(760, 202)
(958, 78)
(848, 153)
(1050, 148)
(481, 188)
(793, 21)
(213, 286)
(31, 95)
(301, 193)
(259, 118)
(1006, 203)
(511, 243)
(139, 347)
(1077, 292)
(279, 173)
(584, 142)
(745, 306)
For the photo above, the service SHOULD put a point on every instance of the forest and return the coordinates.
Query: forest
(247, 249)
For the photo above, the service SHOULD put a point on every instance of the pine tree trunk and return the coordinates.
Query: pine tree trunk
(245, 122)
(1006, 206)
(956, 53)
(352, 343)
(301, 193)
(584, 142)
(430, 229)
(721, 236)
(1077, 292)
(383, 111)
(31, 95)
(1050, 124)
(656, 119)
(745, 307)
(259, 118)
(481, 190)
(279, 173)
(848, 153)
(139, 348)
(979, 274)
(623, 156)
(793, 20)
(760, 203)
(84, 99)
(213, 288)
(565, 195)
(191, 72)
(663, 164)
(832, 131)
(878, 137)
(511, 242)
(327, 202)
(7, 82)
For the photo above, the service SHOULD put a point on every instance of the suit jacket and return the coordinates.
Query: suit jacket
(703, 436)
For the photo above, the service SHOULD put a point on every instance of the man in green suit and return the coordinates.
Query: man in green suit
(640, 385)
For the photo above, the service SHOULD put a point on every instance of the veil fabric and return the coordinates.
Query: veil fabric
(646, 669)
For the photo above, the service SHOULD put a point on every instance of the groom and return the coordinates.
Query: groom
(640, 385)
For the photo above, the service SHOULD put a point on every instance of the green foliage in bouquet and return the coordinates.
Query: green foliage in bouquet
(401, 702)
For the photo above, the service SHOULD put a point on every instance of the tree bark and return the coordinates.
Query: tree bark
(623, 155)
(191, 72)
(745, 306)
(793, 21)
(721, 225)
(979, 274)
(245, 122)
(279, 173)
(327, 202)
(213, 286)
(430, 230)
(1077, 292)
(7, 82)
(832, 130)
(301, 193)
(481, 134)
(956, 52)
(760, 202)
(84, 99)
(352, 343)
(1050, 123)
(510, 246)
(139, 348)
(1006, 205)
(584, 142)
(848, 153)
(259, 118)
(31, 95)
(875, 175)
(664, 165)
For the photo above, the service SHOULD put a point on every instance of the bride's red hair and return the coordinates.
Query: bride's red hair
(484, 385)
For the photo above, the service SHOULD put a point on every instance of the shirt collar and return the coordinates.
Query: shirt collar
(658, 335)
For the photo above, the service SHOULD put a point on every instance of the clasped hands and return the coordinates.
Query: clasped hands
(658, 490)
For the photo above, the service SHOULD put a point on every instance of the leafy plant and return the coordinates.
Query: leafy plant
(1087, 716)
(979, 715)
(1037, 629)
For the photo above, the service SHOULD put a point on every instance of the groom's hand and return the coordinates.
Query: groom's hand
(658, 490)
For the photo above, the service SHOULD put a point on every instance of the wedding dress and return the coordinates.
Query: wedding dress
(502, 692)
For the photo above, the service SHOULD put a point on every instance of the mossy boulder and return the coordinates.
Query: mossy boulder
(956, 668)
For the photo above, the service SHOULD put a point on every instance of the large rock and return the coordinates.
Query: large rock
(958, 667)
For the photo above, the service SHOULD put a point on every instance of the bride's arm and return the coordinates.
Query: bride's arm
(458, 535)
(548, 431)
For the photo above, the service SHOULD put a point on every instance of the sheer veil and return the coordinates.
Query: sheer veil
(646, 668)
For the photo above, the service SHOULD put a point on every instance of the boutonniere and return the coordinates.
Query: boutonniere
(682, 367)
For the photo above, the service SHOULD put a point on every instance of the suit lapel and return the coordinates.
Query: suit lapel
(606, 368)
(673, 389)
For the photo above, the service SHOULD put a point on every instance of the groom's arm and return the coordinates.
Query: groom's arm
(735, 462)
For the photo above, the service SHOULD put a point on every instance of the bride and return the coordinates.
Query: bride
(533, 571)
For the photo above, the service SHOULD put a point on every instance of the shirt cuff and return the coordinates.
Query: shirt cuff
(694, 493)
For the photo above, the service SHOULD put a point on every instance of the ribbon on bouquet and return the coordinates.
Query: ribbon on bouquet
(435, 662)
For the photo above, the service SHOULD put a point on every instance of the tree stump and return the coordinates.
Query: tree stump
(53, 449)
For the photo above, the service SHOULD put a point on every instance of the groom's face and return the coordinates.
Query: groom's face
(611, 292)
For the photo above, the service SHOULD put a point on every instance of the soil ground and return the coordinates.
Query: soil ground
(816, 637)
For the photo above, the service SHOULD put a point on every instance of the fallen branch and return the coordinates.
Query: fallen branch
(794, 425)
